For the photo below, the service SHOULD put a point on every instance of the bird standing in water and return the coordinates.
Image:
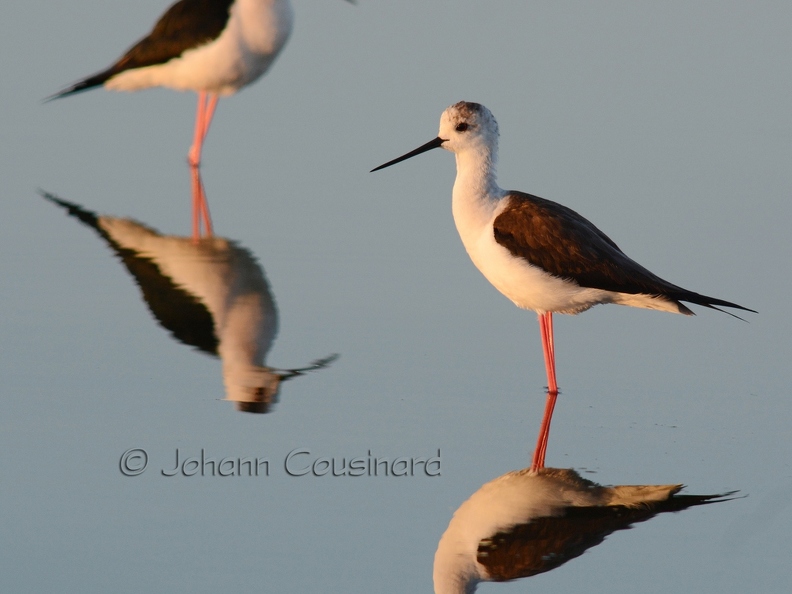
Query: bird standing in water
(541, 255)
(213, 47)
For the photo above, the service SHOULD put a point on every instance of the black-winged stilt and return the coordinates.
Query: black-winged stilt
(213, 47)
(541, 255)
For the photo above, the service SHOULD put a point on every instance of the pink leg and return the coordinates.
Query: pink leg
(548, 347)
(546, 329)
(194, 156)
(207, 102)
(200, 206)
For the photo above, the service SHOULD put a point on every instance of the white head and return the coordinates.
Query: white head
(464, 127)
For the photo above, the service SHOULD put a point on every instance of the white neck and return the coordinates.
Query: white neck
(476, 170)
(476, 194)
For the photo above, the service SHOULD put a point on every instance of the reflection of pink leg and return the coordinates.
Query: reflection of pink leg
(546, 329)
(207, 102)
(196, 209)
(540, 452)
(200, 209)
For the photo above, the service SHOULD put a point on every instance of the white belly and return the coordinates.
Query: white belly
(528, 286)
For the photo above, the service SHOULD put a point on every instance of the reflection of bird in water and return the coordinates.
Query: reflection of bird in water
(541, 255)
(527, 522)
(210, 294)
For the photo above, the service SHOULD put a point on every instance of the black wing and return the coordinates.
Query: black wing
(185, 25)
(561, 242)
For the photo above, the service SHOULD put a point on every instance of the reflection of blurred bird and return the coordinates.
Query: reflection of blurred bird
(213, 47)
(541, 255)
(524, 523)
(210, 294)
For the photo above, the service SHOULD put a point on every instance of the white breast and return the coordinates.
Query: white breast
(527, 286)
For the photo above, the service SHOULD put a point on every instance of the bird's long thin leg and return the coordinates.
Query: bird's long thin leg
(211, 105)
(207, 102)
(546, 329)
(194, 156)
(548, 347)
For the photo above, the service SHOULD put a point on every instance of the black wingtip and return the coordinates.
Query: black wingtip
(75, 210)
(65, 93)
(733, 306)
(712, 303)
(717, 304)
(93, 81)
(323, 363)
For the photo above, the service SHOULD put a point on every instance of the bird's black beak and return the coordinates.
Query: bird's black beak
(421, 149)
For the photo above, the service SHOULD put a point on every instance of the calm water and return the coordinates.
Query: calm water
(668, 127)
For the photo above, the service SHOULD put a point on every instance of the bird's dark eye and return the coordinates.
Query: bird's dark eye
(461, 127)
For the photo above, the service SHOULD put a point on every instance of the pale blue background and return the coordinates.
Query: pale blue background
(668, 125)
